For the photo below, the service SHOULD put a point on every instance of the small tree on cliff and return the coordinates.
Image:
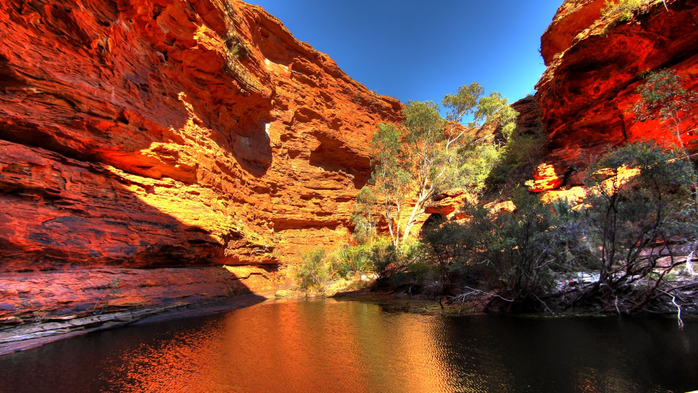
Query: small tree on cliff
(468, 102)
(422, 156)
(662, 96)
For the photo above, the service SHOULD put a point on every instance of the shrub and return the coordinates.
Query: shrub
(639, 207)
(637, 210)
(521, 248)
(396, 267)
(446, 243)
(414, 255)
(518, 157)
(624, 10)
(353, 259)
(314, 271)
(662, 96)
(365, 216)
(511, 253)
(574, 246)
(385, 260)
(474, 164)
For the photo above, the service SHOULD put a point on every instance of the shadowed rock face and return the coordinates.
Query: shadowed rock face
(594, 68)
(172, 133)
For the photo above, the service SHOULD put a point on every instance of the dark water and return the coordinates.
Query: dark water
(328, 346)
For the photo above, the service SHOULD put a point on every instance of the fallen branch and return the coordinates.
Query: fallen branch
(476, 292)
(544, 303)
(680, 287)
(678, 312)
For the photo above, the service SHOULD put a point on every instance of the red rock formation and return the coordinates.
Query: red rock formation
(571, 18)
(446, 203)
(594, 68)
(52, 296)
(545, 178)
(162, 134)
(172, 133)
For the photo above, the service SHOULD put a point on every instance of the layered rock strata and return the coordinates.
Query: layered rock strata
(138, 134)
(594, 67)
(172, 133)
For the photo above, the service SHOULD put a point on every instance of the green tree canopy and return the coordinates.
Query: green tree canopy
(427, 154)
(662, 96)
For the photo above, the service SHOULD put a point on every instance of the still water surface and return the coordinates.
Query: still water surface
(330, 346)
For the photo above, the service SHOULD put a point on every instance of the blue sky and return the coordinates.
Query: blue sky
(422, 50)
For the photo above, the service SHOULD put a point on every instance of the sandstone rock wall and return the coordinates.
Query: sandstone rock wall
(594, 68)
(165, 133)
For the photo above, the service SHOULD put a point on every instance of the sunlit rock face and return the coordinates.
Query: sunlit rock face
(594, 68)
(172, 133)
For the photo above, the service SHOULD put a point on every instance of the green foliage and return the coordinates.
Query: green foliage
(573, 246)
(314, 271)
(423, 123)
(624, 10)
(395, 267)
(471, 160)
(408, 162)
(447, 243)
(662, 96)
(637, 207)
(520, 246)
(237, 47)
(114, 285)
(463, 103)
(524, 149)
(626, 215)
(365, 218)
(427, 155)
(356, 259)
(469, 102)
(389, 176)
(392, 267)
(496, 106)
(517, 159)
(472, 164)
(513, 253)
(385, 260)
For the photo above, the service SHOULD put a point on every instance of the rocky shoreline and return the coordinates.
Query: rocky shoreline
(25, 337)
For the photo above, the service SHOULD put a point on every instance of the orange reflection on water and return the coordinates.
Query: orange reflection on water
(290, 347)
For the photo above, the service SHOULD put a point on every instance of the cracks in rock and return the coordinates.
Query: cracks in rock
(624, 130)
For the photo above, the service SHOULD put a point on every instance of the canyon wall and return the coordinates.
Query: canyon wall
(150, 134)
(594, 67)
(146, 143)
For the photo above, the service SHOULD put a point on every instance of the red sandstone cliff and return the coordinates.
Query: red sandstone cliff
(164, 134)
(594, 68)
(172, 133)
